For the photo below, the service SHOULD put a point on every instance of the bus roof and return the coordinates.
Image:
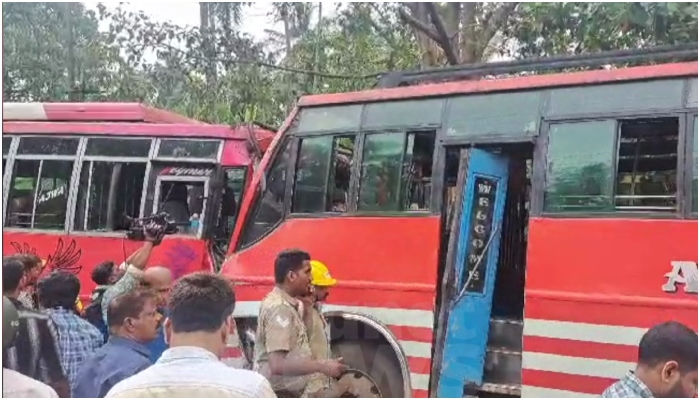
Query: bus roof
(506, 84)
(92, 112)
(203, 131)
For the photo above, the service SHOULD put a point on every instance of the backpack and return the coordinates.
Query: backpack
(93, 313)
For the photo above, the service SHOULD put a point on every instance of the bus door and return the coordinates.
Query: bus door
(469, 309)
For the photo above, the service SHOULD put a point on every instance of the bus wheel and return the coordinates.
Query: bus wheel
(379, 362)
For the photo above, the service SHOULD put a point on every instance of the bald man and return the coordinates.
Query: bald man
(158, 279)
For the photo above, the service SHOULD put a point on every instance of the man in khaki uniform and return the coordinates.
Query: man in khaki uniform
(282, 349)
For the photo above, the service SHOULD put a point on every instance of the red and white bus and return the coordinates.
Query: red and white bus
(502, 237)
(73, 171)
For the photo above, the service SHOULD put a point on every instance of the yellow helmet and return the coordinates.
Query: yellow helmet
(320, 276)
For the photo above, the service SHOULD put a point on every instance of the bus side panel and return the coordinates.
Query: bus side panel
(80, 254)
(386, 269)
(593, 287)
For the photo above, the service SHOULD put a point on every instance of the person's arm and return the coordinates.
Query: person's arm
(134, 264)
(279, 338)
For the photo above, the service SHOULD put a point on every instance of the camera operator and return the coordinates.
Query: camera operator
(134, 267)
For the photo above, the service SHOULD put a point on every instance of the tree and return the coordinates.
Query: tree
(62, 58)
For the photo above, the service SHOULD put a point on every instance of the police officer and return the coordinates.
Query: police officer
(316, 325)
(282, 350)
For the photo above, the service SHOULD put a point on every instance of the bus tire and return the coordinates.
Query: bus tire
(379, 362)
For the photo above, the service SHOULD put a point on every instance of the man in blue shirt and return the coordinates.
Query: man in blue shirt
(134, 321)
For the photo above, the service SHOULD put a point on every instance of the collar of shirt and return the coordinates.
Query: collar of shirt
(632, 384)
(60, 310)
(130, 344)
(179, 353)
(289, 299)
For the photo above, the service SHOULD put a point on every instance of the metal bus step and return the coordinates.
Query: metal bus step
(506, 333)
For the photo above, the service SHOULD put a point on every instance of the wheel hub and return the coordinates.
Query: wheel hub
(361, 385)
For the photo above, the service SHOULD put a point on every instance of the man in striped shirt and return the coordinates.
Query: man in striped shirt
(667, 365)
(35, 353)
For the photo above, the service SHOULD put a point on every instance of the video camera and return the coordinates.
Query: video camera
(137, 226)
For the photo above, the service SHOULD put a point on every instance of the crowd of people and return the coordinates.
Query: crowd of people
(144, 335)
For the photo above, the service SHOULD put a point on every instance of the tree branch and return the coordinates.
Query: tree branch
(423, 28)
(495, 22)
(444, 41)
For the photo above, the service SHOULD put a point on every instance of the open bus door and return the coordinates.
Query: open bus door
(468, 310)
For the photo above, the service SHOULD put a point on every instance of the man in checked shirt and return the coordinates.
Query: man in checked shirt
(77, 338)
(667, 365)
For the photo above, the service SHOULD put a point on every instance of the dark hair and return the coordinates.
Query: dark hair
(289, 260)
(200, 302)
(127, 305)
(12, 273)
(29, 261)
(59, 289)
(670, 341)
(102, 272)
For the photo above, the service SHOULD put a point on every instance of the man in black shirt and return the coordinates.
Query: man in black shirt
(35, 352)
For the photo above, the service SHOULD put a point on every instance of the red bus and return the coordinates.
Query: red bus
(496, 237)
(72, 171)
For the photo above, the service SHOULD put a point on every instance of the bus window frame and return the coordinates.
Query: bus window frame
(690, 120)
(248, 221)
(542, 159)
(352, 201)
(7, 174)
(90, 159)
(185, 179)
(79, 158)
(219, 152)
(355, 175)
(12, 157)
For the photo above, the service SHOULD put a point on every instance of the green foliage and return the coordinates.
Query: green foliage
(216, 73)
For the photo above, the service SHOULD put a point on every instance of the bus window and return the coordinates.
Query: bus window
(108, 191)
(339, 181)
(121, 147)
(48, 146)
(647, 165)
(313, 164)
(396, 171)
(322, 178)
(269, 205)
(181, 148)
(38, 195)
(185, 200)
(580, 164)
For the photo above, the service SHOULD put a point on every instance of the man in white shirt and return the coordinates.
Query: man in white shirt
(14, 384)
(200, 315)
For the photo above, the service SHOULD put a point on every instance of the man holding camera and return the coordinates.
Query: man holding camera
(135, 276)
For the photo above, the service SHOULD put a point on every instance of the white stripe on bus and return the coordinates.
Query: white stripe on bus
(609, 334)
(576, 365)
(416, 349)
(387, 316)
(420, 381)
(540, 392)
